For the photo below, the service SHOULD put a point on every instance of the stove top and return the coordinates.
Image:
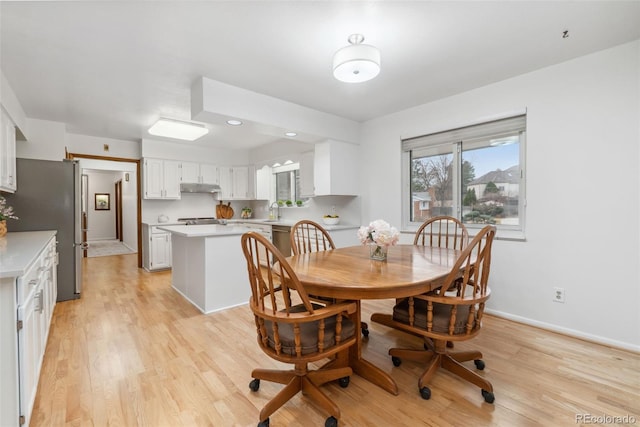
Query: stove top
(199, 221)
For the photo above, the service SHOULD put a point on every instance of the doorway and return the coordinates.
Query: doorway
(118, 193)
(138, 200)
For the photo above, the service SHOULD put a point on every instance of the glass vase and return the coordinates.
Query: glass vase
(378, 253)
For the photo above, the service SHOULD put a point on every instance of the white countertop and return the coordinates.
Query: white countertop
(206, 230)
(291, 223)
(18, 250)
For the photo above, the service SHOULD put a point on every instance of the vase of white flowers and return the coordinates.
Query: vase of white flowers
(379, 235)
(6, 212)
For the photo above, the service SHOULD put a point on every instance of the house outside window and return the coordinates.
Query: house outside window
(475, 174)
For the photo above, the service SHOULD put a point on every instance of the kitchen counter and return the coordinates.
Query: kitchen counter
(18, 250)
(291, 223)
(206, 230)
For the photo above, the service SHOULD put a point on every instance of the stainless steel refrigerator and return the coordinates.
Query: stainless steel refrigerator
(48, 197)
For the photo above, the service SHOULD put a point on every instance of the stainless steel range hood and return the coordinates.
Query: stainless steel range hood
(195, 187)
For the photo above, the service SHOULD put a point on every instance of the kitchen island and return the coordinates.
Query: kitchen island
(208, 267)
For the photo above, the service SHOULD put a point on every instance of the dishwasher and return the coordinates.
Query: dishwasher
(281, 240)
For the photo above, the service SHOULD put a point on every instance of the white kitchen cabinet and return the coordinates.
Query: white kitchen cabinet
(161, 179)
(202, 173)
(27, 302)
(156, 248)
(335, 169)
(7, 153)
(236, 182)
(306, 174)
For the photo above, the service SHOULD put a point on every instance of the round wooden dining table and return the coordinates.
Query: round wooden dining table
(349, 274)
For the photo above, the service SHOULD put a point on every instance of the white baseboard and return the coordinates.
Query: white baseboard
(566, 331)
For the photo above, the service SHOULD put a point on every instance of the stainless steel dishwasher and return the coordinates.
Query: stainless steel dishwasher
(281, 240)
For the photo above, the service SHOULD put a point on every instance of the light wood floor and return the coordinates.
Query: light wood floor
(132, 352)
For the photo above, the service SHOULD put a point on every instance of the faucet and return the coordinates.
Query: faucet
(274, 213)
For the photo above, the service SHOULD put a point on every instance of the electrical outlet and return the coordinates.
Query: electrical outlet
(558, 295)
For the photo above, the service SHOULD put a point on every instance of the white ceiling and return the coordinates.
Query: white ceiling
(111, 69)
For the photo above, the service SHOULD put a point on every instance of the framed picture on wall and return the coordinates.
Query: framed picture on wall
(102, 202)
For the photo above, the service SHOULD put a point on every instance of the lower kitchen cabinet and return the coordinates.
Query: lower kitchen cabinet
(27, 300)
(156, 248)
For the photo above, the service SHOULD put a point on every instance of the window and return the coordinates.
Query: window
(475, 173)
(287, 182)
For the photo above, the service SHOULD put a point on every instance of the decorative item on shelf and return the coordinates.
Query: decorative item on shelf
(289, 203)
(246, 213)
(331, 219)
(379, 235)
(6, 212)
(299, 203)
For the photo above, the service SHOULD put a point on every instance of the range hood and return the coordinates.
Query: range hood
(195, 187)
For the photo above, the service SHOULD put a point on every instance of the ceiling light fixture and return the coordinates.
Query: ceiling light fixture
(290, 134)
(176, 129)
(233, 122)
(357, 62)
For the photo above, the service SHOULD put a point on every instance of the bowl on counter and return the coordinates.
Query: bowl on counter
(331, 221)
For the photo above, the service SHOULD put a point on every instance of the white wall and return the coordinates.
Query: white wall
(46, 141)
(583, 190)
(95, 146)
(102, 223)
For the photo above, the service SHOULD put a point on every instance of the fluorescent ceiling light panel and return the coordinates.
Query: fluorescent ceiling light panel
(178, 130)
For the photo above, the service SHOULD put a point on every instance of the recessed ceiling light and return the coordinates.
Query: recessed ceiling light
(290, 134)
(176, 129)
(234, 122)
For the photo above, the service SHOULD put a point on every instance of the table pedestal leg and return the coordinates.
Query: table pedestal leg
(362, 367)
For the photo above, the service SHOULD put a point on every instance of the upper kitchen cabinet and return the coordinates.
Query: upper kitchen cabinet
(236, 182)
(161, 179)
(306, 175)
(335, 169)
(7, 152)
(200, 173)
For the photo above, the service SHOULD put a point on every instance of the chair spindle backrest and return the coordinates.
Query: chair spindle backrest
(443, 232)
(308, 236)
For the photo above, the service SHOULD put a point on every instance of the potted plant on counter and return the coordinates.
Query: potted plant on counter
(299, 203)
(289, 203)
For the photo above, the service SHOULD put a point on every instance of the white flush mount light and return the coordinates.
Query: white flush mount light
(290, 134)
(356, 63)
(234, 122)
(176, 129)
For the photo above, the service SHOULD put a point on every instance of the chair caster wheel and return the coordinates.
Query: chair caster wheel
(396, 361)
(254, 386)
(365, 333)
(344, 382)
(479, 364)
(488, 396)
(425, 393)
(331, 422)
(264, 423)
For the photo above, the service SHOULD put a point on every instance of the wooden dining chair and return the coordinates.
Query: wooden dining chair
(444, 316)
(442, 232)
(291, 329)
(309, 236)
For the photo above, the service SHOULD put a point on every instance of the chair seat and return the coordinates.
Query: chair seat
(308, 332)
(441, 316)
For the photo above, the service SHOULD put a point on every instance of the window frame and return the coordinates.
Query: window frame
(455, 140)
